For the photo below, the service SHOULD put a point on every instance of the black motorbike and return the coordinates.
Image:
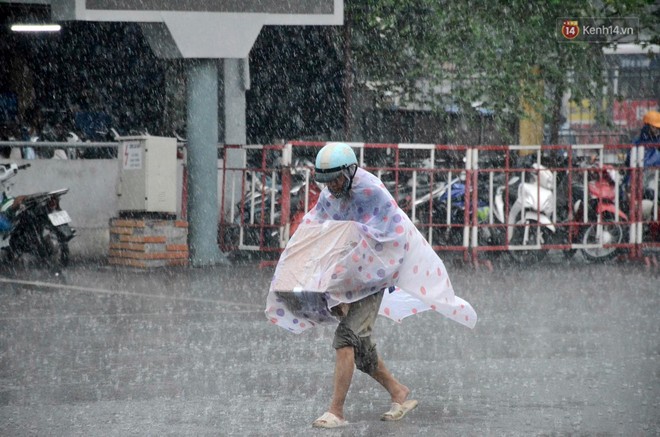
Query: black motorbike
(38, 226)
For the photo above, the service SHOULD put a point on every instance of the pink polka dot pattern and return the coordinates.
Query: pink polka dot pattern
(360, 247)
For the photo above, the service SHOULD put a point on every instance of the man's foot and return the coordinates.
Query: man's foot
(398, 411)
(329, 420)
(401, 395)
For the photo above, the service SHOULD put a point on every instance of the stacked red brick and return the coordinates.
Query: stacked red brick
(148, 242)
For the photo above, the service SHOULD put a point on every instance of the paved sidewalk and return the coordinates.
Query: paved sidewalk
(100, 351)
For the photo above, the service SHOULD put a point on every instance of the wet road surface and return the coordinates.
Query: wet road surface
(559, 349)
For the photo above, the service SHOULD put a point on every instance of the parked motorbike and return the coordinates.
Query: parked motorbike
(493, 215)
(434, 215)
(258, 214)
(445, 212)
(604, 216)
(648, 210)
(529, 219)
(37, 225)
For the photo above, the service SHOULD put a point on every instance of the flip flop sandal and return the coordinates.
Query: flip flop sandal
(398, 411)
(329, 420)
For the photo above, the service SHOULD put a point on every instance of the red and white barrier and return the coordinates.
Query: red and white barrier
(452, 194)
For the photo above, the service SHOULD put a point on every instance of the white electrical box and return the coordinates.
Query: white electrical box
(147, 174)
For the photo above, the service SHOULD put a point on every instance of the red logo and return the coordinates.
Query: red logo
(570, 29)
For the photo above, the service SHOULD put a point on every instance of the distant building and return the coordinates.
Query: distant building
(633, 78)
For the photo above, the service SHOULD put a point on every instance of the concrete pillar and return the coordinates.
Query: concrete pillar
(202, 107)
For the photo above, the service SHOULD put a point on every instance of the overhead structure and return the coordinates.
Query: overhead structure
(202, 28)
(204, 31)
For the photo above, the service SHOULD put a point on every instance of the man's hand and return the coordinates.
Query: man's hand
(340, 310)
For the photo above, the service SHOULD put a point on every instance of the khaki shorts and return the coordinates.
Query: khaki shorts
(355, 330)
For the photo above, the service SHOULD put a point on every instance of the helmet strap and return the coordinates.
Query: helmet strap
(350, 176)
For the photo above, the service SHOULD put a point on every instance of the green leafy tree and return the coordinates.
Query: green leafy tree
(503, 55)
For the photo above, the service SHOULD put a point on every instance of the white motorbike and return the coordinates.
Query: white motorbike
(530, 223)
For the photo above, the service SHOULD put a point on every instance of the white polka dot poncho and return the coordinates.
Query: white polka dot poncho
(346, 249)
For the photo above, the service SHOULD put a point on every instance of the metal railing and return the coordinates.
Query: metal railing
(461, 197)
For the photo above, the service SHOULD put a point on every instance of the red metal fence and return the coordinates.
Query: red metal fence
(525, 200)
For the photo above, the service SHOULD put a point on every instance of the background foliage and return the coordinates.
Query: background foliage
(500, 55)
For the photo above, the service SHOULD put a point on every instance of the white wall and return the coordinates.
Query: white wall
(91, 200)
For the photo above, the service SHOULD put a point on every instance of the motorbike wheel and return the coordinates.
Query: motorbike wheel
(612, 233)
(518, 239)
(54, 250)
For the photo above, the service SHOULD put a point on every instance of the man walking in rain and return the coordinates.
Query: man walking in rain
(355, 255)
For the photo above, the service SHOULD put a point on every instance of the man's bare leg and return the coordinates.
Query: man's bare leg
(344, 368)
(397, 391)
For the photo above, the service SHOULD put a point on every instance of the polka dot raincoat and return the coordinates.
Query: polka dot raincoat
(346, 249)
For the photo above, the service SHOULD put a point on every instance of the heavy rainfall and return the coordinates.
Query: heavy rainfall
(157, 158)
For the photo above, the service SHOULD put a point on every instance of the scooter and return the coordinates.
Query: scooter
(257, 217)
(492, 217)
(529, 220)
(649, 231)
(36, 224)
(605, 229)
(441, 214)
